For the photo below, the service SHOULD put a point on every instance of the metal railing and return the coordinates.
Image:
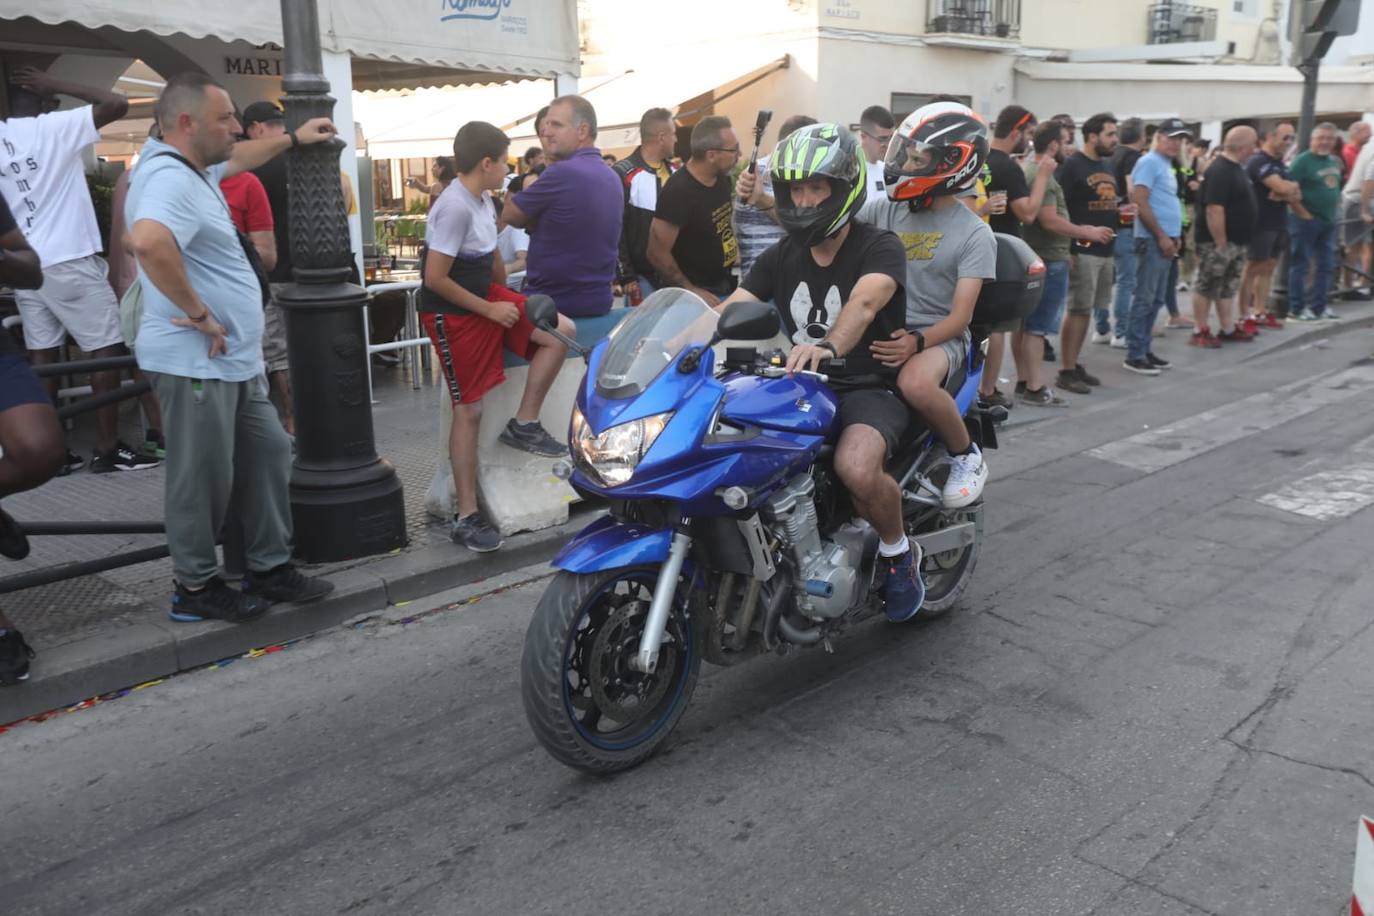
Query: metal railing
(984, 18)
(412, 340)
(1173, 23)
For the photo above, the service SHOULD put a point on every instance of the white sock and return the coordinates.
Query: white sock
(893, 550)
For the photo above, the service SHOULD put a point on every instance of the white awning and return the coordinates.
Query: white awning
(422, 124)
(1207, 92)
(414, 42)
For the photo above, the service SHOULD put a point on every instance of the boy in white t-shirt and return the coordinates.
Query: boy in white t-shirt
(472, 317)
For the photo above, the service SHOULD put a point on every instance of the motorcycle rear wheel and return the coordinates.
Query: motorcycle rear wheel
(947, 575)
(584, 702)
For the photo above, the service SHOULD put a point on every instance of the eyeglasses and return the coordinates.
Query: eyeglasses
(886, 138)
(725, 149)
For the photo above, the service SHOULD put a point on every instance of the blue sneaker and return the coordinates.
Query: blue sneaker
(903, 590)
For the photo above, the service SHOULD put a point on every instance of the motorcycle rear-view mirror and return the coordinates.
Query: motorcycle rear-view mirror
(541, 312)
(748, 320)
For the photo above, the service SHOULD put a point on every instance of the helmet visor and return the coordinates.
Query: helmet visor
(908, 158)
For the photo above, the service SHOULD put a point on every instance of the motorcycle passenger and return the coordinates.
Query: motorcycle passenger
(933, 155)
(837, 285)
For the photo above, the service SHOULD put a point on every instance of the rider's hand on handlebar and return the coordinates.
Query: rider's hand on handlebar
(806, 356)
(895, 352)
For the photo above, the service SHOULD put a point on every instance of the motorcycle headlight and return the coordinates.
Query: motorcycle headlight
(611, 458)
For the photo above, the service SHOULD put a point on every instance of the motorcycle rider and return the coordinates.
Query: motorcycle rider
(838, 287)
(933, 155)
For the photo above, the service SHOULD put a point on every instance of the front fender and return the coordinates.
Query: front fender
(609, 543)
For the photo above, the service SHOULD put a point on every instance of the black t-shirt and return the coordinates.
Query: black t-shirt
(706, 247)
(809, 297)
(1227, 185)
(1091, 195)
(1123, 163)
(1005, 175)
(1273, 214)
(272, 174)
(7, 225)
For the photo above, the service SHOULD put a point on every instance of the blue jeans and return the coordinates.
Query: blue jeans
(1151, 275)
(1045, 320)
(1309, 238)
(1171, 289)
(1124, 256)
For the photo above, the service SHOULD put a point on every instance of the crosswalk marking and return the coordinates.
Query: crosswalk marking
(1331, 493)
(1166, 446)
(1326, 495)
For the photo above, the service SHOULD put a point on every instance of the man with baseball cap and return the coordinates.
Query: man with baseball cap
(1158, 228)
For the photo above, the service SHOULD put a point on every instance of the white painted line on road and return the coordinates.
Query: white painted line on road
(1327, 495)
(1166, 446)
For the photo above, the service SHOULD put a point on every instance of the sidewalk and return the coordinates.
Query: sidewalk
(101, 633)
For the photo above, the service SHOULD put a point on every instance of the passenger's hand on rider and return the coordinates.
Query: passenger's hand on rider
(895, 352)
(806, 356)
(503, 313)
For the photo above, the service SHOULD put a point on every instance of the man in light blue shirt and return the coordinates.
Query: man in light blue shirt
(200, 343)
(1158, 227)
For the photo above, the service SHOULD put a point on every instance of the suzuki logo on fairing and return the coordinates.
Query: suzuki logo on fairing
(472, 9)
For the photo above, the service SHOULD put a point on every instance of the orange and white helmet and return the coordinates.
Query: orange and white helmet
(937, 150)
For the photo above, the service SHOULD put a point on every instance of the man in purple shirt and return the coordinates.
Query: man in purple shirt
(573, 213)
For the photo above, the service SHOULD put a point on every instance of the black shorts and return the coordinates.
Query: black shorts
(879, 408)
(18, 384)
(1267, 244)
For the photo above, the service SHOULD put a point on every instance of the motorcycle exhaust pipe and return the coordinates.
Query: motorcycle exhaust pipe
(799, 636)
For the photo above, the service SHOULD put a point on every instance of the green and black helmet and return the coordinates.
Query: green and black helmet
(819, 151)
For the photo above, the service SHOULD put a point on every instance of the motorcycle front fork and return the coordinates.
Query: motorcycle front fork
(646, 660)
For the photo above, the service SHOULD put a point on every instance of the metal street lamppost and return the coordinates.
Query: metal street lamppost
(345, 500)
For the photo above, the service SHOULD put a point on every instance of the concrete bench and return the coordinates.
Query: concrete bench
(517, 490)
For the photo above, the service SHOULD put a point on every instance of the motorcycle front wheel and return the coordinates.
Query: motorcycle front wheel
(585, 703)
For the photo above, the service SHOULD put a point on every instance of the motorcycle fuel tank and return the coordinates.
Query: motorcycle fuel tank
(795, 405)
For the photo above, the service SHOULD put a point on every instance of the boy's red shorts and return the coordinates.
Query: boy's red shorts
(469, 346)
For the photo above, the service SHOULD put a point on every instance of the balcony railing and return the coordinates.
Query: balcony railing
(1172, 23)
(986, 18)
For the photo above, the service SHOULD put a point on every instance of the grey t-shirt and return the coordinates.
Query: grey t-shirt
(942, 247)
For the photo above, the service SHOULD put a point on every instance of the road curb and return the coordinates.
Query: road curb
(152, 647)
(1310, 334)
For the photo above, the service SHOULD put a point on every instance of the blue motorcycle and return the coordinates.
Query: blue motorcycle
(728, 533)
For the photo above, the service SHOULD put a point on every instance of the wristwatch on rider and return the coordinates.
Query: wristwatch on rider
(920, 341)
(827, 345)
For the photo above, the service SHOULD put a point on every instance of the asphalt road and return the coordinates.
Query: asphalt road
(1156, 700)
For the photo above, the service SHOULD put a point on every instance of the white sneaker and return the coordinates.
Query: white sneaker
(967, 475)
(1119, 343)
(1101, 338)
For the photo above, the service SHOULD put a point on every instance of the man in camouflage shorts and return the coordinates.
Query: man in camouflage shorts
(1227, 213)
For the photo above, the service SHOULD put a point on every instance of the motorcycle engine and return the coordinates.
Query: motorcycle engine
(827, 572)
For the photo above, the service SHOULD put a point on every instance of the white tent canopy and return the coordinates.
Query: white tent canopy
(411, 42)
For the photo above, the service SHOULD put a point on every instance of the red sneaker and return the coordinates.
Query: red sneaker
(1250, 326)
(1203, 338)
(1236, 335)
(1271, 321)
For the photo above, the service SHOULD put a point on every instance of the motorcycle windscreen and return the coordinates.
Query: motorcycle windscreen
(651, 339)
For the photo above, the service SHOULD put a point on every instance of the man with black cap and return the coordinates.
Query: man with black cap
(1158, 228)
(265, 119)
